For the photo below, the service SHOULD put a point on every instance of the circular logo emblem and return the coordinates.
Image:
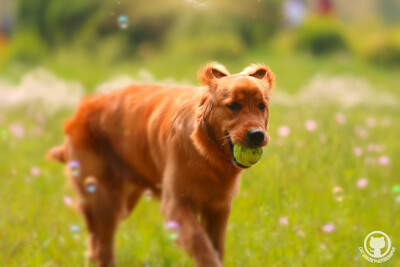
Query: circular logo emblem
(377, 244)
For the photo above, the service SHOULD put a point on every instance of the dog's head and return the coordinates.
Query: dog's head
(235, 108)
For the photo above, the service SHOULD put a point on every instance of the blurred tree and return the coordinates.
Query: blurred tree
(56, 21)
(61, 21)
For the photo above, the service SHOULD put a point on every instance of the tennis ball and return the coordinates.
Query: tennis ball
(247, 156)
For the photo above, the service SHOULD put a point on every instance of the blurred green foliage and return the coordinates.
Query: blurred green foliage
(55, 21)
(62, 33)
(321, 36)
(26, 47)
(223, 28)
(387, 51)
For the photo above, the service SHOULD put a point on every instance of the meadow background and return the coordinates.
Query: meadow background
(330, 175)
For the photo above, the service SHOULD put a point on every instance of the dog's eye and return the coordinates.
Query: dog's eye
(261, 106)
(235, 106)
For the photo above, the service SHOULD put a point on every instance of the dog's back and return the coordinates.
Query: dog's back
(131, 128)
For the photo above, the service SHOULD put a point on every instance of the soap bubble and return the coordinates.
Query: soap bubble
(123, 21)
(74, 167)
(74, 228)
(338, 194)
(91, 188)
(148, 195)
(173, 229)
(91, 184)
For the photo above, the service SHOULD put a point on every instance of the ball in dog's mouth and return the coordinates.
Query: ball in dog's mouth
(244, 157)
(247, 156)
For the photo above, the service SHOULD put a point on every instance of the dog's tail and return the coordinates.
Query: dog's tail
(56, 153)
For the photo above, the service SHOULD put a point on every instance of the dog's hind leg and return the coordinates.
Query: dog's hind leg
(101, 221)
(100, 200)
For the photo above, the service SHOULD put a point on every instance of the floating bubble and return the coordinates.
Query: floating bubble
(173, 229)
(148, 195)
(91, 184)
(91, 188)
(123, 21)
(74, 167)
(74, 228)
(338, 194)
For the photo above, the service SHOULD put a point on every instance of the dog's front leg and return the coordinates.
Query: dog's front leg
(192, 236)
(214, 220)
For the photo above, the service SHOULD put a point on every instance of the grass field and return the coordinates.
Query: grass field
(329, 176)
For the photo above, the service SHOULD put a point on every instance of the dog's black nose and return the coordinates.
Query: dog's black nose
(255, 137)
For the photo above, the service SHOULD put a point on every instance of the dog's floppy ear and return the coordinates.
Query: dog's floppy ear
(210, 72)
(260, 71)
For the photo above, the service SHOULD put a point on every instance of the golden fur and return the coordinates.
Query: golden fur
(176, 142)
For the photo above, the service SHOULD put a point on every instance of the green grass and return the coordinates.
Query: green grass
(294, 179)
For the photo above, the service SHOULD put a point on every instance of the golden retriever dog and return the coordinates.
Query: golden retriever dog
(176, 141)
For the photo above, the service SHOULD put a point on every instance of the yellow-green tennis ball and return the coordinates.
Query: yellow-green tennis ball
(247, 156)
